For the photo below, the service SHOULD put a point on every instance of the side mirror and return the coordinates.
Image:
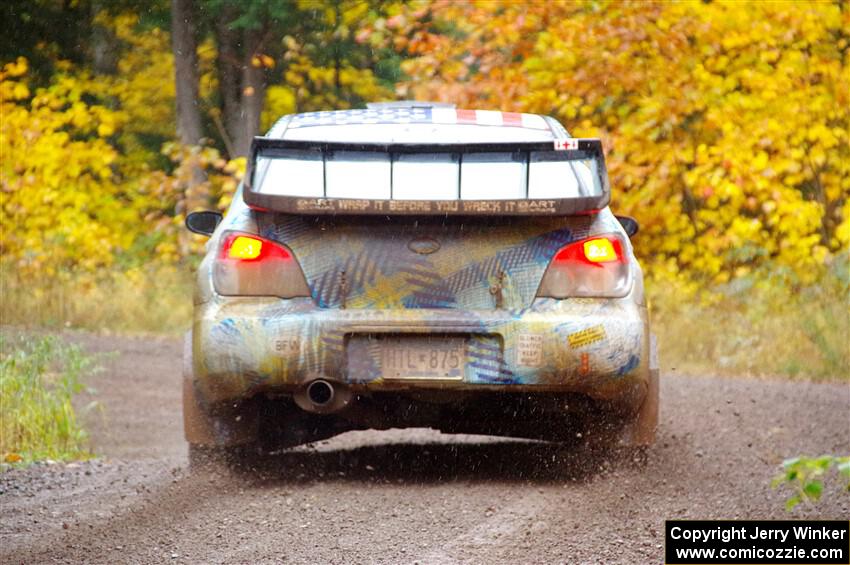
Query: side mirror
(203, 223)
(629, 224)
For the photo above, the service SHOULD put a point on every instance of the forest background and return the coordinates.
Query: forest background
(725, 126)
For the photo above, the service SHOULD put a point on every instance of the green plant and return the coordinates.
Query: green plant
(39, 377)
(805, 475)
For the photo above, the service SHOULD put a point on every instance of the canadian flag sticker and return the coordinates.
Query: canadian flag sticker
(566, 144)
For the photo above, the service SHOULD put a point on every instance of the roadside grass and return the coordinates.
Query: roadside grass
(764, 328)
(39, 377)
(154, 299)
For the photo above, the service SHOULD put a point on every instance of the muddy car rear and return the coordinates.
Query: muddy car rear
(417, 274)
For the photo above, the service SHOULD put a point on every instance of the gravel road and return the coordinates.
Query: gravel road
(408, 496)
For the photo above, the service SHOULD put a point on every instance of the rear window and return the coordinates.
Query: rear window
(429, 176)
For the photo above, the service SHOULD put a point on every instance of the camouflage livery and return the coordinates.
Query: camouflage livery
(422, 278)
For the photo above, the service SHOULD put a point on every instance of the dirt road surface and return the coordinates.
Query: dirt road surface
(411, 496)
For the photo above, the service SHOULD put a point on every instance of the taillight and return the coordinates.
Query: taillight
(243, 247)
(248, 265)
(593, 267)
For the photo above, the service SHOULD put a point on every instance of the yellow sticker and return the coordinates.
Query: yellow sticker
(586, 336)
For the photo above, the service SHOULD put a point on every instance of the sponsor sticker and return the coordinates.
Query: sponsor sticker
(566, 144)
(586, 336)
(529, 350)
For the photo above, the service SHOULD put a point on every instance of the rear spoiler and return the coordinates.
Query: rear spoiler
(559, 149)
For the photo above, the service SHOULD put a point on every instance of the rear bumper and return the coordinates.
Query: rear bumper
(599, 348)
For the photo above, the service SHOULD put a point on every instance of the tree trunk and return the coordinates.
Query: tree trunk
(253, 96)
(228, 63)
(183, 44)
(241, 84)
(104, 46)
(189, 130)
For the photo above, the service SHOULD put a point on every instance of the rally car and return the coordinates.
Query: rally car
(418, 265)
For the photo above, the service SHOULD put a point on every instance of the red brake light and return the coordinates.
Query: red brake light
(249, 265)
(594, 251)
(250, 248)
(593, 267)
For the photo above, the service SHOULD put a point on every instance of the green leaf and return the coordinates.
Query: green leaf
(813, 489)
(824, 462)
(792, 502)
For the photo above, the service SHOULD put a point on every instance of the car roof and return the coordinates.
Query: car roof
(416, 122)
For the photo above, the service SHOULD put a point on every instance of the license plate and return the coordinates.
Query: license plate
(422, 358)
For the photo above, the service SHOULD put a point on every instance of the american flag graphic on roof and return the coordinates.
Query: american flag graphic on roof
(418, 115)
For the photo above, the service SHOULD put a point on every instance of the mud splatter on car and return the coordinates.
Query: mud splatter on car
(411, 265)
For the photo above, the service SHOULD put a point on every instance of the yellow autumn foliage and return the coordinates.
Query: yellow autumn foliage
(91, 176)
(70, 201)
(316, 71)
(143, 87)
(57, 194)
(725, 126)
(725, 123)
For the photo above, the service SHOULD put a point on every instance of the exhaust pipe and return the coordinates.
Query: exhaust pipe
(320, 393)
(321, 396)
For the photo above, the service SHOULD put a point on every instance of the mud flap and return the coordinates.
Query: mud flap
(642, 430)
(202, 426)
